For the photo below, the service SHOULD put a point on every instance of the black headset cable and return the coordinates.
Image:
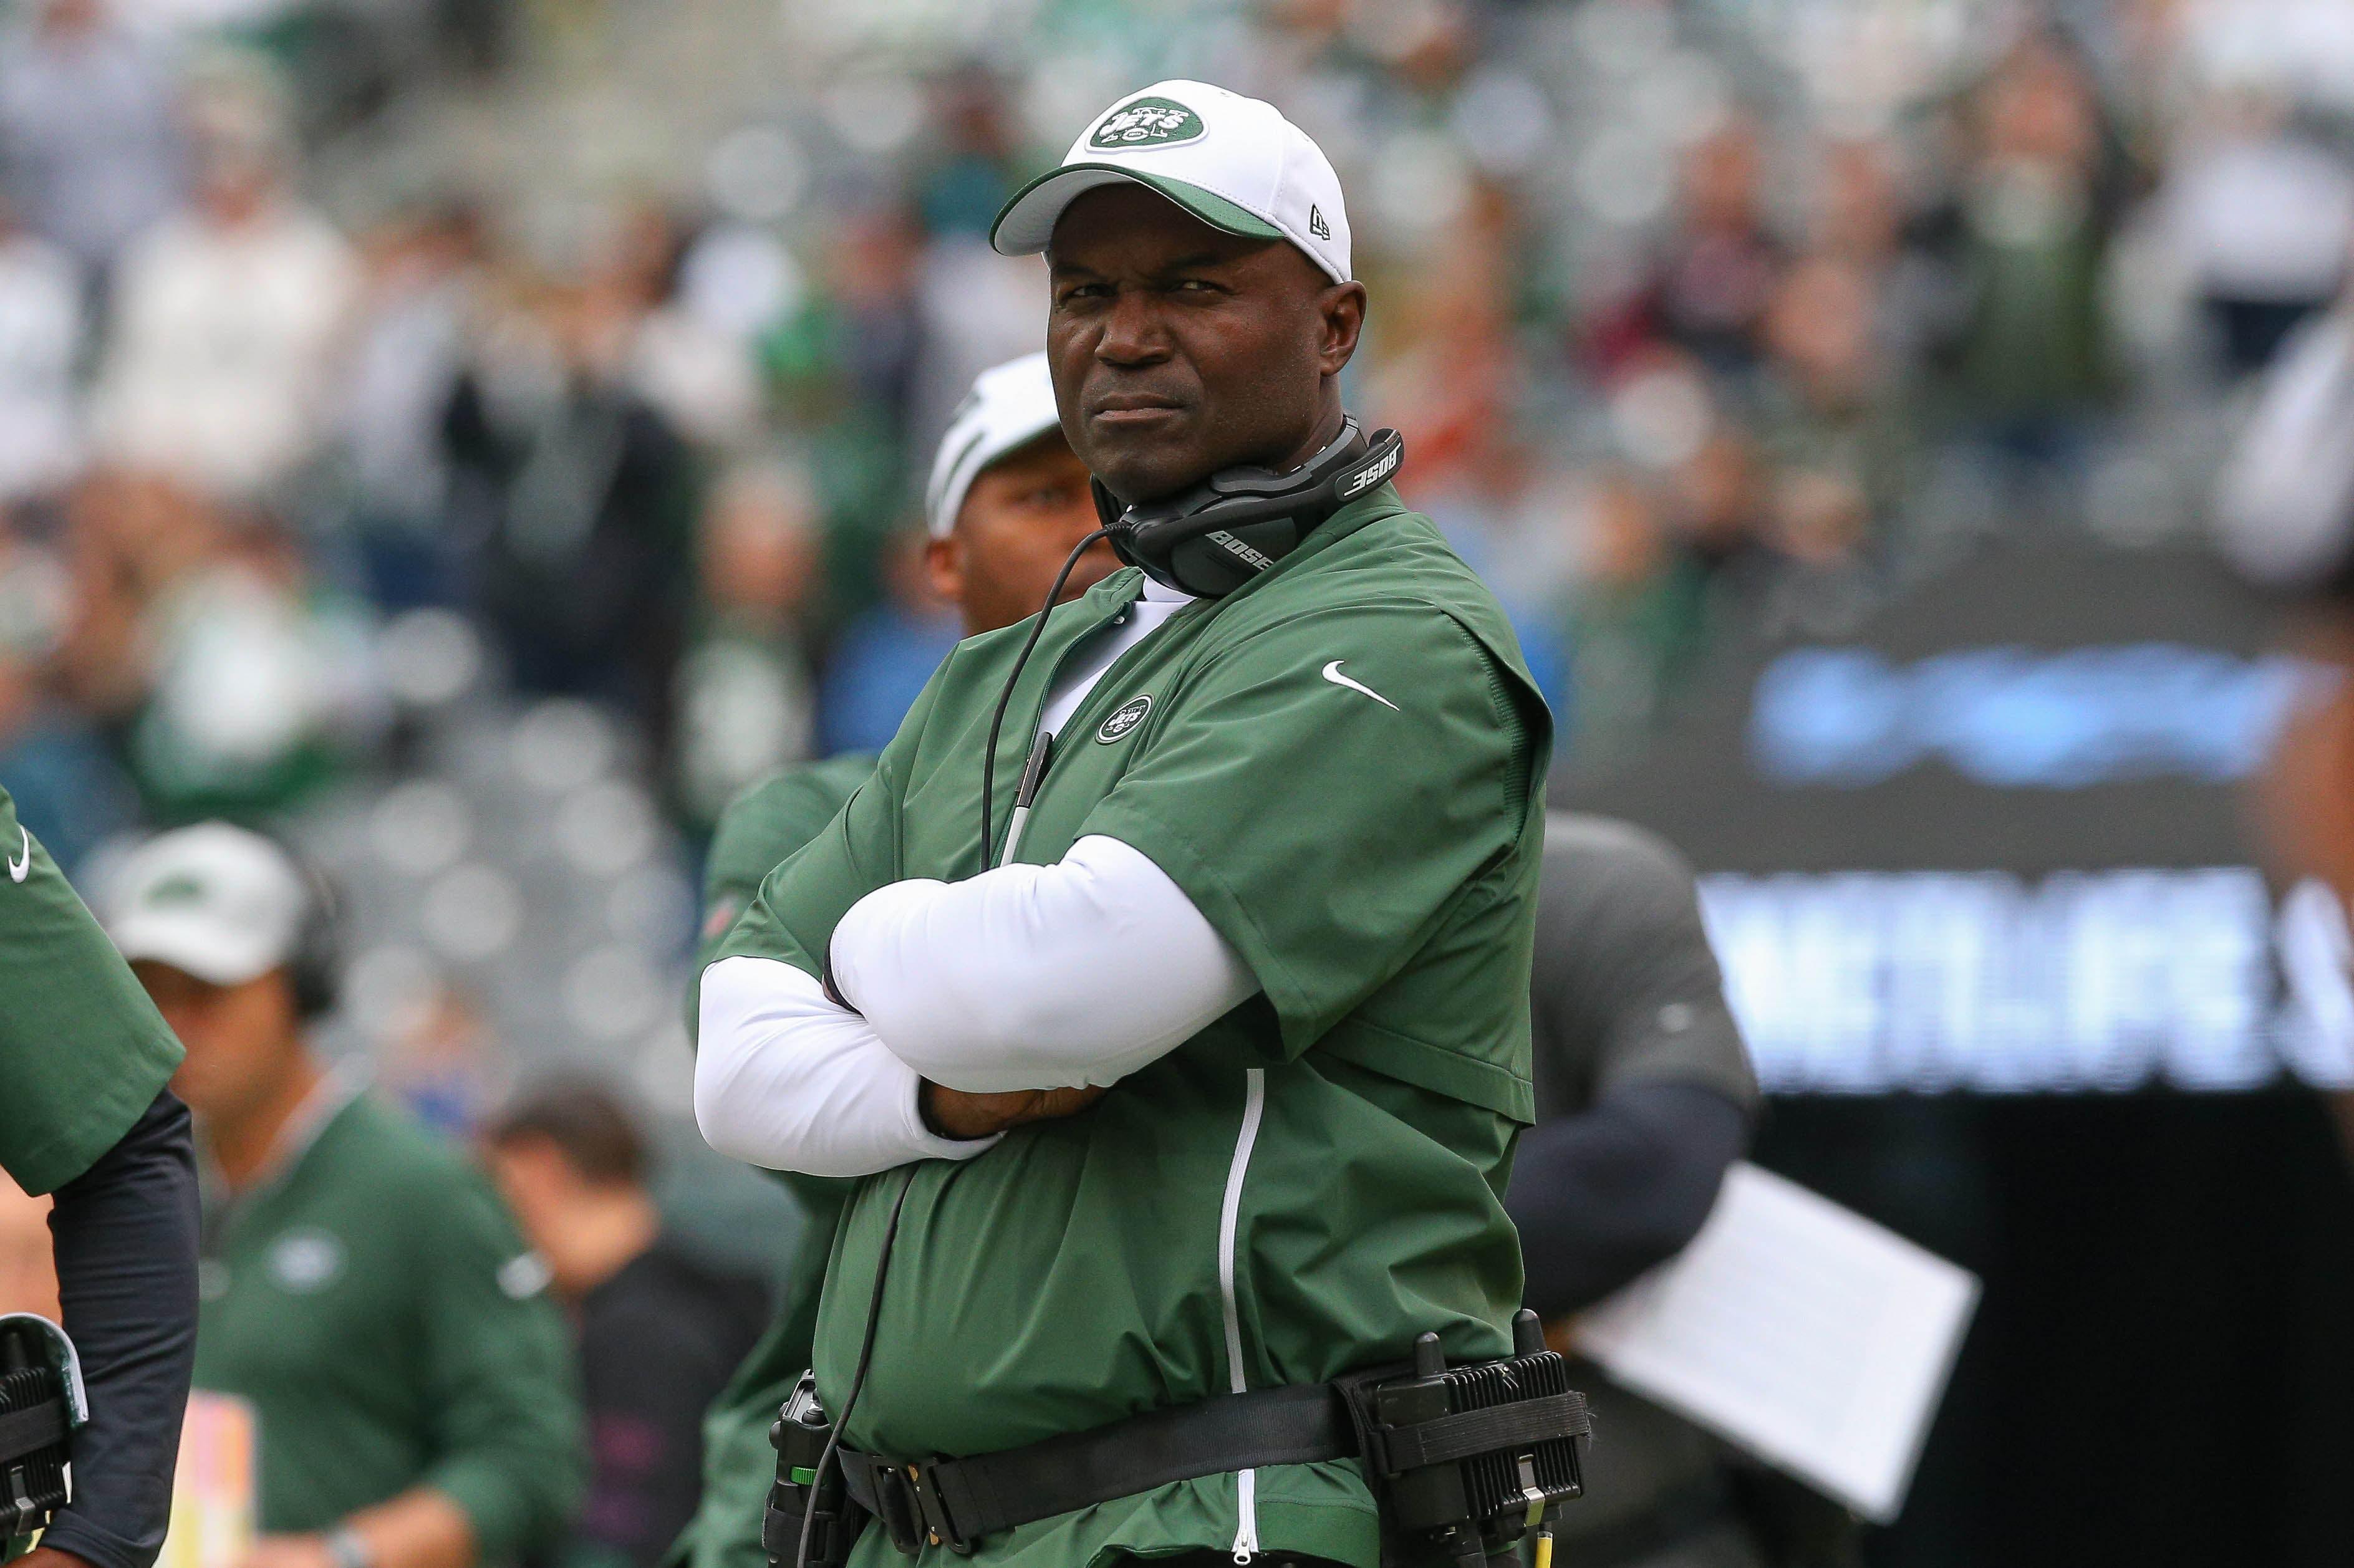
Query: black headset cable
(1005, 698)
(830, 1453)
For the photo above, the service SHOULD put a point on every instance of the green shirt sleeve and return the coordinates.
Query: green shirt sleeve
(1324, 790)
(82, 1051)
(764, 827)
(802, 901)
(506, 1425)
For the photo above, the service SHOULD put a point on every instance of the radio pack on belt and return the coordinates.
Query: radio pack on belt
(806, 1483)
(41, 1402)
(1468, 1460)
(1464, 1460)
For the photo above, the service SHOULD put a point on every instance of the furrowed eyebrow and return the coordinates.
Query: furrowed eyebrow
(1198, 261)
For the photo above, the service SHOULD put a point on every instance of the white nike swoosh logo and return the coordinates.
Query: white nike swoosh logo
(1332, 674)
(19, 866)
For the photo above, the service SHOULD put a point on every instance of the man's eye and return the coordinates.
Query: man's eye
(1195, 286)
(1086, 291)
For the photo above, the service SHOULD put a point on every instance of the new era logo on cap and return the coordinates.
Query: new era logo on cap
(1147, 122)
(1234, 162)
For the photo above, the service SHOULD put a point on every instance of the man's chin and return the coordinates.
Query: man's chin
(1156, 477)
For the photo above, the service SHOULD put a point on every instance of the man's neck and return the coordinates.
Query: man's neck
(244, 1147)
(1328, 425)
(606, 1233)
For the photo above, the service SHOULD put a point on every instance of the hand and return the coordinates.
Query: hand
(952, 1113)
(288, 1552)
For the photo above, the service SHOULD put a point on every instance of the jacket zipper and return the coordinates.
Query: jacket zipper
(1001, 853)
(1229, 1217)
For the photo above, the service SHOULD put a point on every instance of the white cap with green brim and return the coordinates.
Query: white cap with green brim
(1233, 161)
(1010, 406)
(213, 901)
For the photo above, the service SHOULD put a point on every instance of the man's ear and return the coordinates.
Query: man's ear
(1342, 317)
(944, 567)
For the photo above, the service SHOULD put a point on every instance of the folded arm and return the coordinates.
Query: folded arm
(786, 1079)
(1036, 977)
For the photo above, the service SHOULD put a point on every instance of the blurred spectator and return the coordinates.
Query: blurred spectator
(844, 368)
(1840, 435)
(419, 307)
(681, 362)
(1712, 285)
(261, 676)
(1636, 618)
(51, 761)
(443, 1063)
(130, 538)
(40, 351)
(884, 657)
(227, 316)
(2034, 216)
(1716, 512)
(89, 137)
(2262, 219)
(660, 1329)
(745, 704)
(972, 166)
(578, 494)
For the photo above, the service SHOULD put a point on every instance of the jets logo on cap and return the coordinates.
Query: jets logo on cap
(180, 888)
(1148, 122)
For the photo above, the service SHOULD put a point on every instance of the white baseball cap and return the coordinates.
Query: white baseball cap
(1010, 406)
(1233, 161)
(217, 902)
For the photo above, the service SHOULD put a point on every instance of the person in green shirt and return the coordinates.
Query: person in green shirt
(362, 1287)
(1006, 502)
(85, 1114)
(1187, 1057)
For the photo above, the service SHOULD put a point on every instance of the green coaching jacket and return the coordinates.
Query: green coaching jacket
(373, 1302)
(1342, 765)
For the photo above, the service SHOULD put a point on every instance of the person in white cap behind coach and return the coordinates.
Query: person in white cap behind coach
(364, 1291)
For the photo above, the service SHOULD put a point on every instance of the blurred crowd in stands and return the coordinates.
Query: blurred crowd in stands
(380, 383)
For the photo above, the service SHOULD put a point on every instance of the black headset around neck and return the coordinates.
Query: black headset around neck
(1210, 540)
(1207, 541)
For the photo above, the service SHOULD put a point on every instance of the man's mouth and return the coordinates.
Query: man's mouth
(1133, 408)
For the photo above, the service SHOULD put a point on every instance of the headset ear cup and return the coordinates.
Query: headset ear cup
(1217, 536)
(316, 965)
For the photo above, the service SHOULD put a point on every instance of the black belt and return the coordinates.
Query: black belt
(957, 1502)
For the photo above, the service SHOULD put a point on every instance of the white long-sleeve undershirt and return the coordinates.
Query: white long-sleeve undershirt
(786, 1079)
(1034, 976)
(1024, 976)
(1028, 976)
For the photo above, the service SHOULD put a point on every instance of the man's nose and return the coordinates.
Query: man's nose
(1133, 331)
